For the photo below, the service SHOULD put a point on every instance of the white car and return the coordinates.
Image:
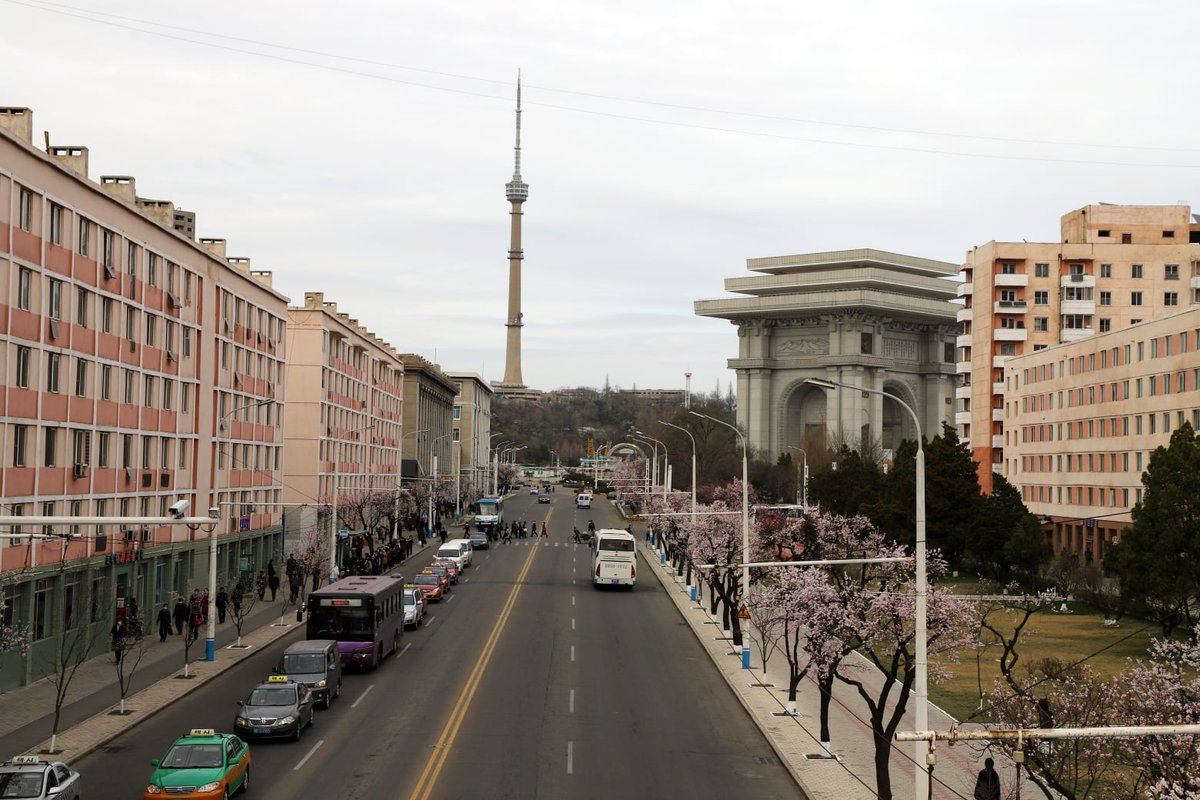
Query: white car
(533, 490)
(34, 777)
(414, 608)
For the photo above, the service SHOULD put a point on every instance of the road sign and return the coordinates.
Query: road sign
(743, 613)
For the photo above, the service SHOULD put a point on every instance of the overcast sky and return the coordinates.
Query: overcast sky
(361, 148)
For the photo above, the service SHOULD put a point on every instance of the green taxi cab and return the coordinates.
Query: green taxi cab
(203, 764)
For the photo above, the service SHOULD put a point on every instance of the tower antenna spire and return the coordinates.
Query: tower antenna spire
(517, 149)
(517, 192)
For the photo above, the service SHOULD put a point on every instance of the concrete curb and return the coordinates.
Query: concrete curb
(665, 575)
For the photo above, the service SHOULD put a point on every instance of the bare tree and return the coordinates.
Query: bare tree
(242, 597)
(77, 643)
(129, 647)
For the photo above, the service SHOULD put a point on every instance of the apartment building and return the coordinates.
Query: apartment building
(345, 405)
(428, 416)
(1114, 266)
(472, 416)
(1082, 419)
(141, 367)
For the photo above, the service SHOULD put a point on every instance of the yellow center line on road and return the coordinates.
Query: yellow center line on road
(441, 750)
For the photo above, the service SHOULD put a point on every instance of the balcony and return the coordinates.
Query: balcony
(1019, 279)
(1087, 307)
(998, 388)
(998, 362)
(962, 367)
(1076, 280)
(962, 393)
(962, 418)
(1194, 282)
(1075, 334)
(965, 315)
(965, 289)
(1010, 334)
(997, 415)
(1010, 307)
(962, 340)
(998, 441)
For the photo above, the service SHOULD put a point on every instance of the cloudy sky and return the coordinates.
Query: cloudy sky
(361, 148)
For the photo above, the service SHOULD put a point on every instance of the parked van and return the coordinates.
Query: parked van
(614, 559)
(318, 665)
(457, 549)
(583, 500)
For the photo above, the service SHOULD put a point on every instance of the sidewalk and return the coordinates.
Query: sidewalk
(27, 713)
(796, 739)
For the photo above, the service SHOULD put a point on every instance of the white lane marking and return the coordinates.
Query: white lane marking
(429, 620)
(361, 696)
(572, 623)
(572, 652)
(572, 599)
(571, 703)
(448, 599)
(314, 749)
(570, 758)
(404, 649)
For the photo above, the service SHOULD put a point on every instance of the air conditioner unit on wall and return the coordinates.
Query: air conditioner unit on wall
(81, 470)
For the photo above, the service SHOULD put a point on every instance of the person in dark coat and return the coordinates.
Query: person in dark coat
(164, 623)
(118, 640)
(181, 615)
(222, 604)
(987, 785)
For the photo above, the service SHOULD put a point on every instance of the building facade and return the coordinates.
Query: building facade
(141, 367)
(429, 397)
(865, 318)
(345, 408)
(1115, 266)
(472, 431)
(1082, 419)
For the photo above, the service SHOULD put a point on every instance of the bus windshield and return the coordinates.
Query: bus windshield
(619, 545)
(340, 623)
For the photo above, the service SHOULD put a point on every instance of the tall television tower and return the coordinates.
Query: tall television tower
(517, 192)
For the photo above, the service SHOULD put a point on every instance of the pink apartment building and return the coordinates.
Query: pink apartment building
(1114, 266)
(1082, 419)
(140, 367)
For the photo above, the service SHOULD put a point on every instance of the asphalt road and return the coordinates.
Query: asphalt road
(525, 683)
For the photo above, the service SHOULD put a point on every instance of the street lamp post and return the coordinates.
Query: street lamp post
(693, 438)
(400, 483)
(433, 459)
(802, 492)
(745, 506)
(210, 641)
(666, 458)
(333, 518)
(921, 689)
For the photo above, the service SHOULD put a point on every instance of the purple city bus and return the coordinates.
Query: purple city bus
(363, 613)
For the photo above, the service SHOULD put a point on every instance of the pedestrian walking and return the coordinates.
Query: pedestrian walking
(164, 623)
(222, 604)
(273, 585)
(181, 615)
(118, 640)
(987, 785)
(260, 583)
(442, 533)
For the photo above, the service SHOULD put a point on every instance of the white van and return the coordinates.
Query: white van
(464, 545)
(614, 559)
(583, 500)
(457, 549)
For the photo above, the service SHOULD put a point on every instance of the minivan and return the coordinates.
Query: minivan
(457, 549)
(318, 665)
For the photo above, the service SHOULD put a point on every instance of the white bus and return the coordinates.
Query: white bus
(614, 559)
(490, 512)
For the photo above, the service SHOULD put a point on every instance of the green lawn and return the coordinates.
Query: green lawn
(1065, 636)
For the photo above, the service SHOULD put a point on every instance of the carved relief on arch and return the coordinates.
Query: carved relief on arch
(802, 346)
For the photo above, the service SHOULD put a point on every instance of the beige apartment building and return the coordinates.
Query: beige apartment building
(345, 409)
(428, 417)
(472, 432)
(1115, 266)
(140, 367)
(1082, 419)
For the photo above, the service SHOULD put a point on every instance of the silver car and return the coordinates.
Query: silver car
(414, 608)
(36, 779)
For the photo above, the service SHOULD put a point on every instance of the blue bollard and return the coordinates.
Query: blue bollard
(746, 656)
(210, 649)
(662, 558)
(692, 593)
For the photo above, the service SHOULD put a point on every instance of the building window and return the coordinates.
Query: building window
(1135, 298)
(53, 362)
(187, 341)
(23, 356)
(1105, 325)
(1135, 271)
(151, 330)
(1126, 238)
(80, 377)
(1170, 298)
(866, 343)
(152, 269)
(107, 240)
(24, 288)
(1171, 272)
(106, 313)
(1008, 268)
(1106, 270)
(1106, 298)
(128, 385)
(1008, 296)
(102, 444)
(85, 234)
(56, 290)
(185, 398)
(82, 300)
(148, 394)
(81, 448)
(25, 220)
(168, 394)
(105, 382)
(51, 457)
(43, 598)
(56, 224)
(1041, 270)
(126, 459)
(1041, 298)
(1041, 324)
(20, 445)
(1168, 234)
(1008, 349)
(131, 323)
(131, 259)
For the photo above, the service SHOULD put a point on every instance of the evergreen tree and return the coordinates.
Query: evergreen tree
(849, 489)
